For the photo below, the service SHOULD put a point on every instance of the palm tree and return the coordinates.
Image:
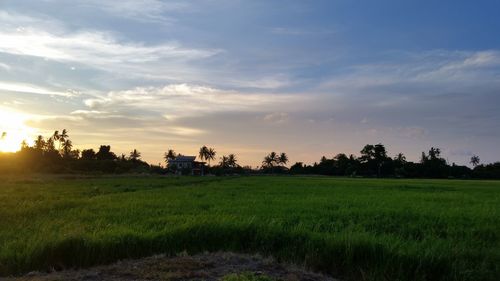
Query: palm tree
(49, 145)
(224, 161)
(170, 155)
(283, 159)
(61, 137)
(270, 160)
(135, 155)
(434, 153)
(228, 161)
(39, 143)
(203, 154)
(231, 161)
(210, 155)
(400, 158)
(55, 136)
(474, 160)
(64, 135)
(66, 147)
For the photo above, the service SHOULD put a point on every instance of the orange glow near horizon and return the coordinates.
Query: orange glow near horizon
(13, 130)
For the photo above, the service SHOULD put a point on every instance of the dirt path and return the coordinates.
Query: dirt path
(209, 266)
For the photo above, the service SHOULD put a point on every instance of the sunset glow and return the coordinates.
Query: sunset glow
(13, 130)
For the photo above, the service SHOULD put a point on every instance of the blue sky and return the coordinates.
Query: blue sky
(310, 78)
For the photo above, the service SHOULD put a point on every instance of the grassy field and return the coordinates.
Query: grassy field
(366, 229)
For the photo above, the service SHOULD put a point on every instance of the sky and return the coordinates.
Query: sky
(309, 78)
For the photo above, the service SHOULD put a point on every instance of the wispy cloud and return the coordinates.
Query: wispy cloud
(33, 89)
(97, 49)
(103, 50)
(443, 72)
(181, 100)
(145, 10)
(276, 117)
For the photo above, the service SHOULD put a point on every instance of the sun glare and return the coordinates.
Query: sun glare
(13, 130)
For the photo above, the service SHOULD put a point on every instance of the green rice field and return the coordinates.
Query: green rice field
(353, 229)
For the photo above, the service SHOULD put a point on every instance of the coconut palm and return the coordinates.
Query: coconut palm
(283, 159)
(39, 143)
(66, 147)
(55, 135)
(170, 155)
(224, 162)
(135, 155)
(231, 161)
(49, 145)
(228, 161)
(400, 158)
(203, 154)
(270, 160)
(474, 160)
(210, 155)
(60, 137)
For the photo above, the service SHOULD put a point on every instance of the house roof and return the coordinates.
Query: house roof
(183, 159)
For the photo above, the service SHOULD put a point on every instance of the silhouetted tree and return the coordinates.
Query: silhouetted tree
(423, 158)
(204, 153)
(400, 158)
(67, 146)
(49, 145)
(224, 162)
(433, 165)
(297, 168)
(39, 143)
(434, 153)
(229, 161)
(88, 154)
(170, 155)
(270, 161)
(283, 159)
(61, 138)
(210, 155)
(399, 164)
(373, 157)
(135, 155)
(474, 160)
(105, 153)
(232, 161)
(55, 136)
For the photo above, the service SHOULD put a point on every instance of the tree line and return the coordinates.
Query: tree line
(375, 162)
(56, 154)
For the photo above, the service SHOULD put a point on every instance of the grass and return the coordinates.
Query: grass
(359, 229)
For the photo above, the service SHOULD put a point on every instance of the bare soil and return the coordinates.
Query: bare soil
(207, 266)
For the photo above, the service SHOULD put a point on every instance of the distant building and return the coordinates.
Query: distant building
(187, 164)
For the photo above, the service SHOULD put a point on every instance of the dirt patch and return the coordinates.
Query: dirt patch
(208, 266)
